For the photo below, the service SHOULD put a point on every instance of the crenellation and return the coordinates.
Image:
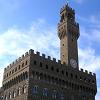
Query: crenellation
(67, 7)
(49, 58)
(26, 53)
(43, 55)
(19, 59)
(54, 59)
(13, 63)
(22, 56)
(81, 70)
(38, 53)
(31, 51)
(16, 60)
(5, 69)
(90, 73)
(59, 61)
(94, 74)
(86, 71)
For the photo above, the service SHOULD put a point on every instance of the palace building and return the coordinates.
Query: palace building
(33, 76)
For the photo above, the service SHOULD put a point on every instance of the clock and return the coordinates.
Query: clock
(73, 63)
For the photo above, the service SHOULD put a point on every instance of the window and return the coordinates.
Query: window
(26, 63)
(40, 64)
(54, 94)
(22, 64)
(7, 74)
(62, 97)
(80, 78)
(1, 98)
(24, 89)
(12, 71)
(19, 91)
(57, 70)
(46, 66)
(66, 73)
(35, 90)
(6, 97)
(62, 72)
(45, 91)
(19, 67)
(71, 75)
(15, 69)
(76, 76)
(14, 94)
(52, 68)
(34, 62)
(9, 95)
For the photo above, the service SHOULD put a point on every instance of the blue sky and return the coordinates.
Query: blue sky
(26, 24)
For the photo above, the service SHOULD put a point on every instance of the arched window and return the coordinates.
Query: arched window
(14, 94)
(6, 98)
(62, 97)
(54, 94)
(22, 64)
(45, 91)
(24, 89)
(35, 90)
(9, 95)
(26, 63)
(19, 91)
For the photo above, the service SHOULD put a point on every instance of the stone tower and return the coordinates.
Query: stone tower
(68, 32)
(35, 76)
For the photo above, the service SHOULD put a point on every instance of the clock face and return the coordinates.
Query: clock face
(73, 63)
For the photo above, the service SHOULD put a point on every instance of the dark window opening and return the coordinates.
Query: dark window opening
(22, 64)
(66, 73)
(62, 72)
(57, 70)
(26, 63)
(52, 68)
(46, 66)
(19, 67)
(34, 62)
(40, 64)
(15, 69)
(76, 76)
(71, 75)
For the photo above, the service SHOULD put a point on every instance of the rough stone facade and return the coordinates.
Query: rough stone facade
(33, 76)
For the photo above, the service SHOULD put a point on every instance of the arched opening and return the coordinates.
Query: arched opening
(24, 89)
(19, 91)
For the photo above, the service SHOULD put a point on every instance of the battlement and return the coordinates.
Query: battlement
(68, 8)
(86, 71)
(32, 53)
(29, 53)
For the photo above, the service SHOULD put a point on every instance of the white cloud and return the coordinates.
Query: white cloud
(88, 59)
